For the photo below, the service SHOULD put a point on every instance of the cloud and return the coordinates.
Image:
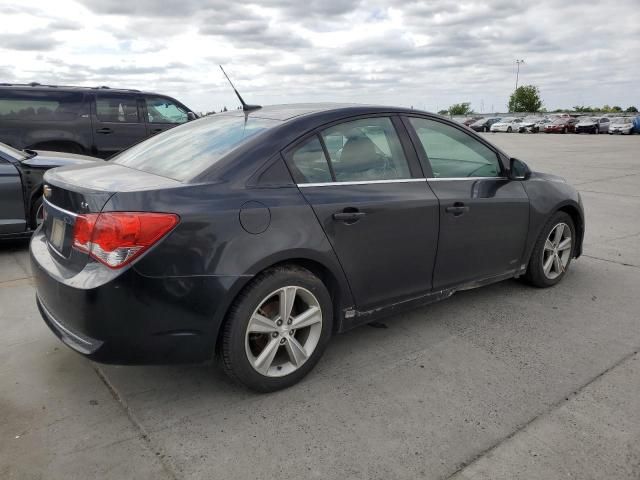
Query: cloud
(33, 40)
(406, 52)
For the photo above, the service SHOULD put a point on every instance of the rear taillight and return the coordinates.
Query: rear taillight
(117, 238)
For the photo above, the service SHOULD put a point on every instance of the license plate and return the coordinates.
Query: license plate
(57, 234)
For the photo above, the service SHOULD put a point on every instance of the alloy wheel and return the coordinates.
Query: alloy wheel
(283, 331)
(557, 251)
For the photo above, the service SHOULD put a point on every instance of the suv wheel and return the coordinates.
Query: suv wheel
(277, 329)
(552, 252)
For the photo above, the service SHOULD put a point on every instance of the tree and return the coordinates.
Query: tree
(460, 109)
(631, 109)
(583, 109)
(443, 112)
(525, 99)
(616, 109)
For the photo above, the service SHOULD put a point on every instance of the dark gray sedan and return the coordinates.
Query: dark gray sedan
(21, 173)
(255, 236)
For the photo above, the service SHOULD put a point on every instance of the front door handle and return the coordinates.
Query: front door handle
(457, 209)
(348, 216)
(104, 130)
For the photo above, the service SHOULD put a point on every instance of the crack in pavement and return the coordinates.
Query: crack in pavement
(611, 261)
(554, 406)
(137, 424)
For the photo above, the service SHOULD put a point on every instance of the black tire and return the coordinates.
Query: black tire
(596, 131)
(565, 130)
(535, 274)
(36, 213)
(509, 130)
(232, 349)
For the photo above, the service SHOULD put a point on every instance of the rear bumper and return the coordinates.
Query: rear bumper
(125, 317)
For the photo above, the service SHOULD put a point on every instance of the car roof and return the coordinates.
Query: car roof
(287, 112)
(67, 88)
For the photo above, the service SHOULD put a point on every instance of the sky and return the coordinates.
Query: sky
(425, 54)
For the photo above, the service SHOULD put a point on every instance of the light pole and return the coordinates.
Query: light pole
(518, 62)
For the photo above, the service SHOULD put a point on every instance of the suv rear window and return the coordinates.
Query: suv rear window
(186, 151)
(40, 105)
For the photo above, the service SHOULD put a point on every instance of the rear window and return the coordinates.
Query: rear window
(186, 151)
(41, 106)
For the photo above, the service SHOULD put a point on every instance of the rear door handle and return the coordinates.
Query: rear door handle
(457, 209)
(348, 217)
(104, 130)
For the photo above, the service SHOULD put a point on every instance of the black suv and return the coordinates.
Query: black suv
(99, 121)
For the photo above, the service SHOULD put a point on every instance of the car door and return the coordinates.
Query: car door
(12, 215)
(484, 216)
(366, 190)
(163, 113)
(117, 123)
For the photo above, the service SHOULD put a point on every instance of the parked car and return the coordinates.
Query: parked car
(622, 125)
(540, 124)
(21, 175)
(592, 125)
(509, 124)
(97, 121)
(468, 121)
(561, 125)
(484, 124)
(257, 235)
(528, 123)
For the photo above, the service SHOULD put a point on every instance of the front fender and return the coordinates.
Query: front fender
(547, 195)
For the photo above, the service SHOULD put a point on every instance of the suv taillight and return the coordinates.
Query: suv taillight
(117, 238)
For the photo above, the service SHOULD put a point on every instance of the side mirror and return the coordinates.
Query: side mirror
(518, 170)
(191, 116)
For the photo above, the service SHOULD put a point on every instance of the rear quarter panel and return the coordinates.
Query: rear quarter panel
(211, 242)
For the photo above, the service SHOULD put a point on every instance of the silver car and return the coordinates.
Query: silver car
(592, 125)
(621, 125)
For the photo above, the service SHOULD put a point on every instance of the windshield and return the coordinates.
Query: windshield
(621, 120)
(586, 119)
(185, 151)
(507, 120)
(559, 121)
(12, 152)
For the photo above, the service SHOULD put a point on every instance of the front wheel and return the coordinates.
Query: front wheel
(552, 252)
(509, 130)
(277, 329)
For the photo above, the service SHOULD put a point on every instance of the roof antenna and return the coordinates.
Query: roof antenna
(245, 107)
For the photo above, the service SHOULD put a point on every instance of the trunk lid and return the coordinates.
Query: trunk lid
(80, 189)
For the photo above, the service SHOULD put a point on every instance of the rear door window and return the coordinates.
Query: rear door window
(41, 106)
(309, 164)
(366, 150)
(117, 109)
(163, 110)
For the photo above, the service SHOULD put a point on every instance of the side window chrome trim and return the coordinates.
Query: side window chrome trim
(448, 179)
(363, 182)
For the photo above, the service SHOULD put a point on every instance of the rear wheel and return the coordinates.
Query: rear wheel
(509, 130)
(277, 329)
(552, 252)
(37, 213)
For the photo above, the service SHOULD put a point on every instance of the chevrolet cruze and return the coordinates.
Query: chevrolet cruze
(255, 236)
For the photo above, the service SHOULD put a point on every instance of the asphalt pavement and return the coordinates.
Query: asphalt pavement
(502, 382)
